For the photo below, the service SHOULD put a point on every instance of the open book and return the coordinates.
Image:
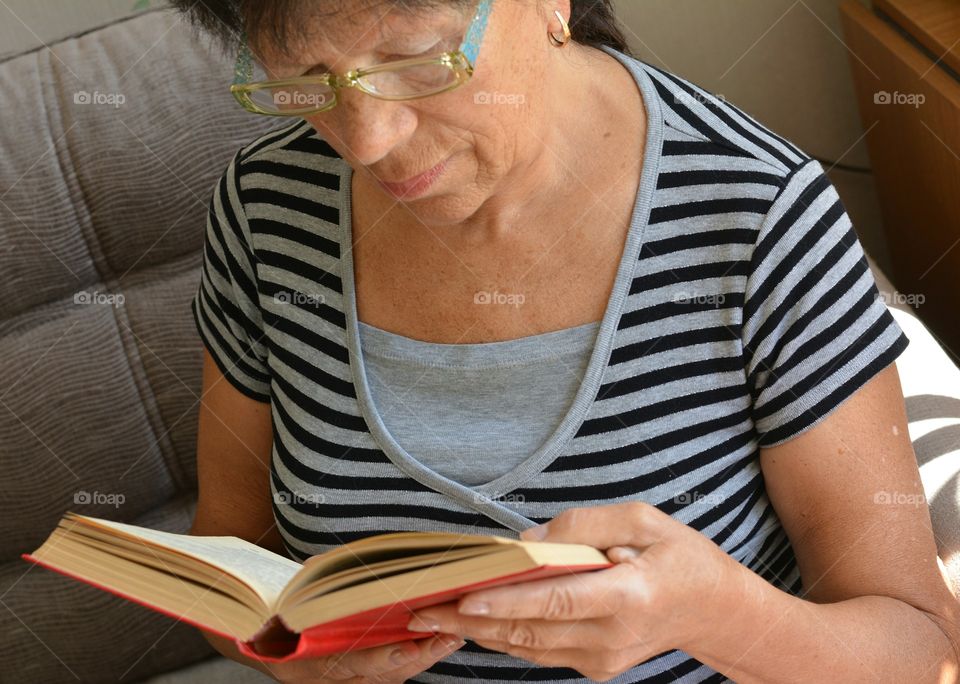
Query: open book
(355, 596)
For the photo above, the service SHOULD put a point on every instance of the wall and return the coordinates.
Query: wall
(784, 62)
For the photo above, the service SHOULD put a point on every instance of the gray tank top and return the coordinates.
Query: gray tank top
(473, 412)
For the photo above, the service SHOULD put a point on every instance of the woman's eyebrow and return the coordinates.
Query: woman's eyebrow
(393, 45)
(392, 39)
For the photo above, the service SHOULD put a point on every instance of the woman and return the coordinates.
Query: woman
(539, 281)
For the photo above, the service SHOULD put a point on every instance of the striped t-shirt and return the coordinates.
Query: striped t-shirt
(743, 312)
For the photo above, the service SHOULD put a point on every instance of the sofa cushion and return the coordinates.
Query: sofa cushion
(213, 671)
(110, 148)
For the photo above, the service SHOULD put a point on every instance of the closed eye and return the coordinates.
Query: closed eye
(397, 58)
(431, 51)
(434, 49)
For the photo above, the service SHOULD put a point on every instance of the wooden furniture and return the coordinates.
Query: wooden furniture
(905, 56)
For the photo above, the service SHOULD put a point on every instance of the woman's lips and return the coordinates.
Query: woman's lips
(417, 186)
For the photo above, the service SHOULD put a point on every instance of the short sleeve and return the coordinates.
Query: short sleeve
(815, 328)
(226, 306)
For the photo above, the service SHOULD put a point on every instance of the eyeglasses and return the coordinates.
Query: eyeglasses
(406, 79)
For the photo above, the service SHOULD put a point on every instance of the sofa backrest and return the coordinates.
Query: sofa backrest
(110, 146)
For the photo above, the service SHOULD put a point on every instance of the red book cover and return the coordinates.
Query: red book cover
(376, 627)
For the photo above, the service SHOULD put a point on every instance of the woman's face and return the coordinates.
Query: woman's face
(482, 131)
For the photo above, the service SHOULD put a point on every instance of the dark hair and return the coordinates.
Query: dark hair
(592, 22)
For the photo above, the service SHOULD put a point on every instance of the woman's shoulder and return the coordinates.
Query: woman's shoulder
(290, 174)
(696, 121)
(288, 151)
(287, 179)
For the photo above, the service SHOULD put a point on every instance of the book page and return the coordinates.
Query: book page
(267, 573)
(383, 547)
(511, 564)
(194, 603)
(319, 579)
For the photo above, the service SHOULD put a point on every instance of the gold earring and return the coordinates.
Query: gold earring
(557, 42)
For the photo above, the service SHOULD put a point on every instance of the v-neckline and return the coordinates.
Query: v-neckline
(484, 497)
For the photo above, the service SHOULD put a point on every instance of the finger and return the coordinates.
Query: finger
(572, 658)
(577, 596)
(632, 523)
(393, 661)
(623, 554)
(532, 633)
(558, 657)
(541, 635)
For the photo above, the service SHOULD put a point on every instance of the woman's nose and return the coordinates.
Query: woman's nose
(369, 127)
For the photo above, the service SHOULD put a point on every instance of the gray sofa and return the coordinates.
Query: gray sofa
(109, 148)
(103, 196)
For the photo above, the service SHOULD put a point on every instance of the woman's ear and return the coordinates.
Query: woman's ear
(546, 9)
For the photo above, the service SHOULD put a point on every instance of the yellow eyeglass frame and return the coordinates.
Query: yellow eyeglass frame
(461, 62)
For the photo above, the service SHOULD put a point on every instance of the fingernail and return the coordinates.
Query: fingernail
(623, 553)
(475, 608)
(423, 624)
(399, 657)
(446, 644)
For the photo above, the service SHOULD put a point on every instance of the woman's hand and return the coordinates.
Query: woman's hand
(369, 665)
(602, 623)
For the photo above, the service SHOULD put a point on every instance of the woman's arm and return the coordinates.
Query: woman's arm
(234, 443)
(876, 606)
(234, 440)
(775, 637)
